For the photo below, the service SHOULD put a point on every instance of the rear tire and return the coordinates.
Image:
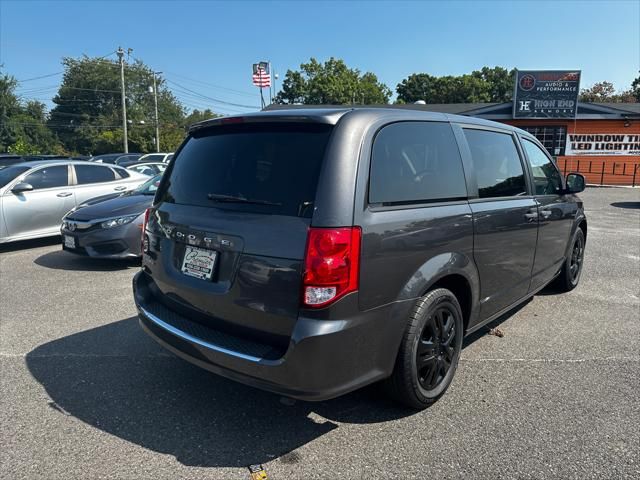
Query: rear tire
(569, 276)
(429, 351)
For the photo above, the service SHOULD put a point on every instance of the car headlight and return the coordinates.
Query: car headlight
(116, 222)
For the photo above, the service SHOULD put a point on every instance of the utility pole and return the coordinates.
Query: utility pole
(125, 139)
(155, 102)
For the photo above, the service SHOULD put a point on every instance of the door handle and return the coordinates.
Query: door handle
(531, 216)
(64, 194)
(119, 189)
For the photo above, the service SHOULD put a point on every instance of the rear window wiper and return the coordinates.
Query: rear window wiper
(218, 197)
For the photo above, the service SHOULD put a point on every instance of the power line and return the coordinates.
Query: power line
(89, 89)
(236, 92)
(206, 97)
(38, 78)
(59, 73)
(53, 87)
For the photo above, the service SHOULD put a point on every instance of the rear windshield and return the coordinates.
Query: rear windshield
(262, 168)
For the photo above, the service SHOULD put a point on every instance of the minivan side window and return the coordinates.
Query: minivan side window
(93, 174)
(497, 164)
(546, 177)
(414, 162)
(48, 177)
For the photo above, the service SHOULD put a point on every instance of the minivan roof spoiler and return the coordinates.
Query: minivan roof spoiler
(316, 115)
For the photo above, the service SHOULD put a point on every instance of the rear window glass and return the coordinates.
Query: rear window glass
(93, 174)
(265, 168)
(122, 173)
(415, 162)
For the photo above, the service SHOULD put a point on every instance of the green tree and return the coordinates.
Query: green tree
(598, 92)
(23, 127)
(88, 113)
(635, 89)
(500, 82)
(606, 92)
(198, 116)
(447, 89)
(9, 109)
(485, 85)
(418, 86)
(331, 83)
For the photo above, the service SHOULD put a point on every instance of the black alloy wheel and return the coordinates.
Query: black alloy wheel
(577, 256)
(435, 352)
(571, 271)
(429, 351)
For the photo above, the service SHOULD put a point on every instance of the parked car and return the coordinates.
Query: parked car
(312, 252)
(147, 168)
(34, 196)
(109, 226)
(156, 157)
(113, 157)
(129, 158)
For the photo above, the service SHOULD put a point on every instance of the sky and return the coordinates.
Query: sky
(208, 47)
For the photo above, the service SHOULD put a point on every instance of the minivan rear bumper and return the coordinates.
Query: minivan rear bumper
(324, 359)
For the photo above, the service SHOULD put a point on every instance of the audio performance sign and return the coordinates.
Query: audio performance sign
(546, 94)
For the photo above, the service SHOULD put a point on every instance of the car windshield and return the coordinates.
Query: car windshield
(149, 187)
(10, 172)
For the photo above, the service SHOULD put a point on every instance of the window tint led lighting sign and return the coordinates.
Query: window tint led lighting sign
(603, 144)
(546, 94)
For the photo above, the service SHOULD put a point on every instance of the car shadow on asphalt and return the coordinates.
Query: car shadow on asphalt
(28, 244)
(61, 260)
(632, 205)
(118, 380)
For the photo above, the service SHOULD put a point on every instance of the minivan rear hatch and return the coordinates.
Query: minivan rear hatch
(230, 225)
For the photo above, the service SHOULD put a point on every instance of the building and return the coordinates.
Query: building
(602, 142)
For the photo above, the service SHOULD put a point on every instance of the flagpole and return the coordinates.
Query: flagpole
(270, 95)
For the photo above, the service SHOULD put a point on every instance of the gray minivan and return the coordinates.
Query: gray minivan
(310, 252)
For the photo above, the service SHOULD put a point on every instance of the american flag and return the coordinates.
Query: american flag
(261, 78)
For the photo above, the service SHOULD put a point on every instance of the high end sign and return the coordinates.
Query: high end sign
(602, 144)
(546, 94)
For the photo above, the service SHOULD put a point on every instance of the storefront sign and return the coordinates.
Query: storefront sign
(546, 94)
(602, 144)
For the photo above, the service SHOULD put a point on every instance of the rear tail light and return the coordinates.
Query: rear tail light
(145, 239)
(331, 265)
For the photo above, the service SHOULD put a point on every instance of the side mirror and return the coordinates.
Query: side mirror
(575, 183)
(21, 187)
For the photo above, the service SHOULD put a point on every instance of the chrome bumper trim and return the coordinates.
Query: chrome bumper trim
(192, 339)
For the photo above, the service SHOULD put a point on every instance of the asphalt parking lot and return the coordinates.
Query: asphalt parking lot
(86, 394)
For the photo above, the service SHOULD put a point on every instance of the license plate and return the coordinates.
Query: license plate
(199, 262)
(69, 241)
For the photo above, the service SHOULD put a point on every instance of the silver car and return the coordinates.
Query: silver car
(34, 196)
